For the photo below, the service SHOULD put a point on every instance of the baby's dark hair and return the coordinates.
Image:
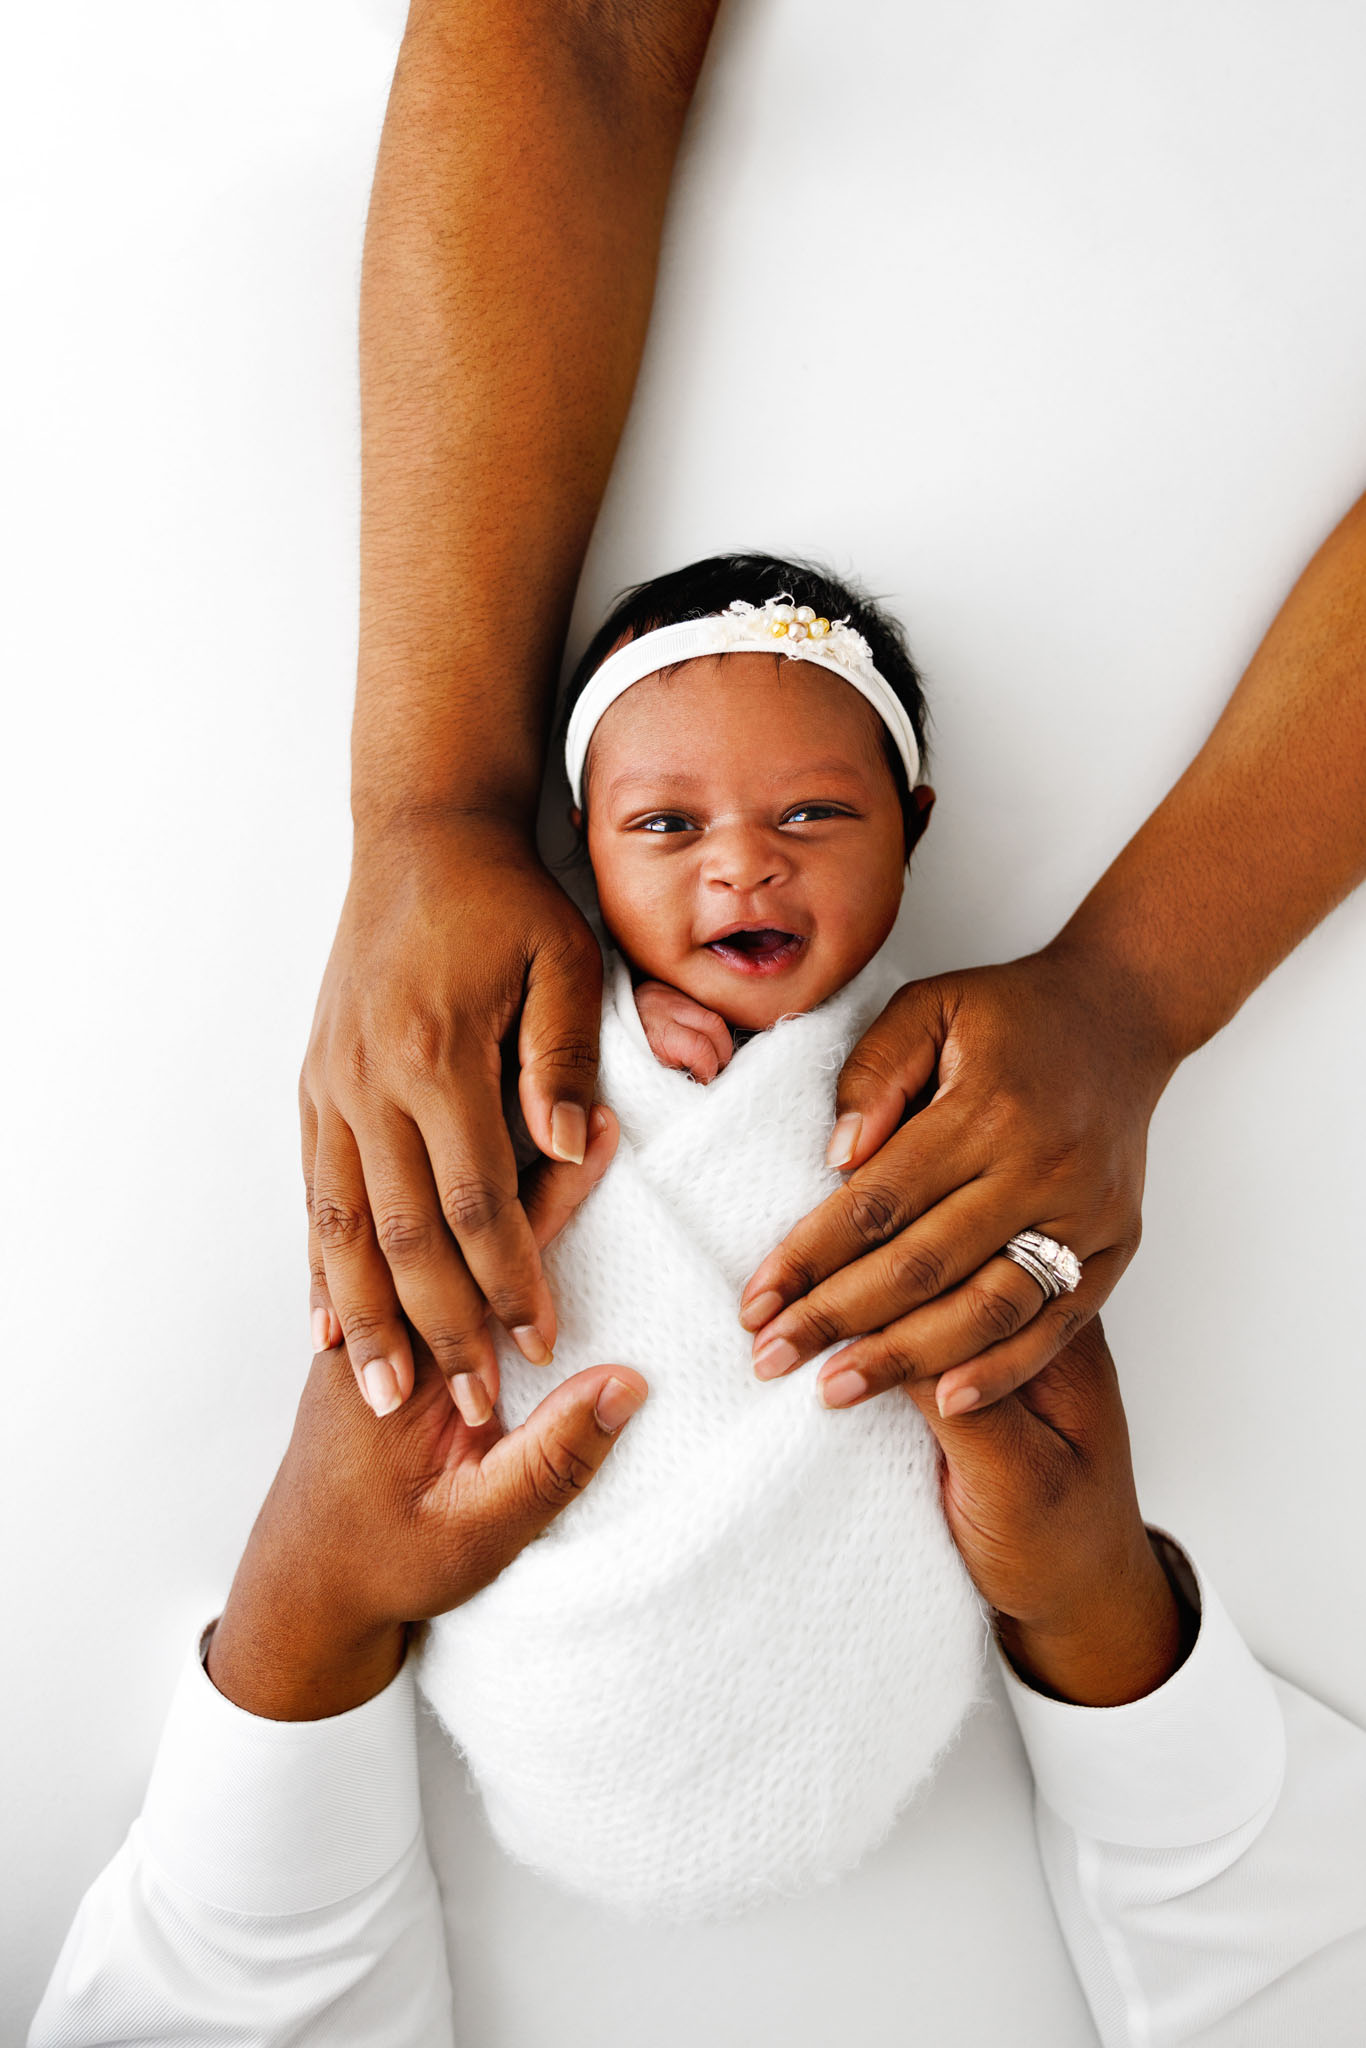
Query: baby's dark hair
(705, 587)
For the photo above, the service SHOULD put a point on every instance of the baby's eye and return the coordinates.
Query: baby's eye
(804, 814)
(666, 821)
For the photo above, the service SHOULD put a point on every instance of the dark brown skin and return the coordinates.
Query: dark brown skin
(372, 1525)
(1039, 1494)
(1047, 1069)
(509, 268)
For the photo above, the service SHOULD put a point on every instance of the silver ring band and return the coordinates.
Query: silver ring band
(1055, 1267)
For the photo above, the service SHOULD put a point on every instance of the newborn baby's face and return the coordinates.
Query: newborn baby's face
(745, 833)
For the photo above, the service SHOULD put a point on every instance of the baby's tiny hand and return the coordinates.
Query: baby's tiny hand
(681, 1032)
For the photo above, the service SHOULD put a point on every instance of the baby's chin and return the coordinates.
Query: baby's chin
(752, 984)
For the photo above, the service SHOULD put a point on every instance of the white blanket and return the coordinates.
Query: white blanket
(732, 1660)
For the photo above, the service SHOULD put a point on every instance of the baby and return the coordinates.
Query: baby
(725, 1669)
(751, 818)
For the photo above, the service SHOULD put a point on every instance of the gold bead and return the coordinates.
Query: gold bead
(819, 628)
(778, 628)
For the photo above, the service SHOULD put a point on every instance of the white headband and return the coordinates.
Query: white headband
(775, 627)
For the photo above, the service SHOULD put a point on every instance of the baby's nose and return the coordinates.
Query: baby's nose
(745, 858)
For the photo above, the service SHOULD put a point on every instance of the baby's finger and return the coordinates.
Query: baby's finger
(553, 1189)
(716, 1031)
(684, 1045)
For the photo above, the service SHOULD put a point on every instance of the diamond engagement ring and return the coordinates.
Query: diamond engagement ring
(1055, 1267)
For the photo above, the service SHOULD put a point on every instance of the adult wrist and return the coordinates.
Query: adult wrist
(283, 1662)
(1119, 1641)
(1132, 1007)
(381, 826)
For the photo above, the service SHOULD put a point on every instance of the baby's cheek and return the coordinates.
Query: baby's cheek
(644, 917)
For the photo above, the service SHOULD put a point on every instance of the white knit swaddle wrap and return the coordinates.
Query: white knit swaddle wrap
(729, 1663)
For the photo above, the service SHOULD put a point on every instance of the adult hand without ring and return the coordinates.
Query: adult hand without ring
(371, 1526)
(451, 931)
(1039, 1496)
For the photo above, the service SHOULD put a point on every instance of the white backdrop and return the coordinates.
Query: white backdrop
(1047, 319)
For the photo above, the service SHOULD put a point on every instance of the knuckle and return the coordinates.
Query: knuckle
(364, 1330)
(405, 1236)
(998, 1315)
(574, 1056)
(918, 1269)
(795, 1275)
(470, 1204)
(358, 1065)
(455, 1349)
(555, 1472)
(872, 1211)
(894, 1364)
(1068, 1322)
(339, 1224)
(873, 1063)
(511, 1298)
(421, 1044)
(819, 1326)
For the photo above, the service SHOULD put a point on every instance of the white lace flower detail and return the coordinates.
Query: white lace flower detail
(780, 627)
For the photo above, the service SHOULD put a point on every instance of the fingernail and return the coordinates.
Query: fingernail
(843, 1387)
(380, 1382)
(531, 1344)
(321, 1326)
(617, 1403)
(568, 1132)
(774, 1358)
(843, 1141)
(471, 1397)
(761, 1310)
(959, 1401)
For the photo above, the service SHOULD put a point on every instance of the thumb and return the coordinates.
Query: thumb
(886, 1071)
(557, 1046)
(532, 1474)
(552, 1191)
(979, 1445)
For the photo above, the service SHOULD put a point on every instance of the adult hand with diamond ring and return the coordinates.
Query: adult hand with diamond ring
(909, 1251)
(1040, 1077)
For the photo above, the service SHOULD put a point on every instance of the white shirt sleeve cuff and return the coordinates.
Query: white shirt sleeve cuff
(1197, 1758)
(276, 1817)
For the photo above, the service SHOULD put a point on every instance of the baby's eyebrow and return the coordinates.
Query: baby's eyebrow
(672, 781)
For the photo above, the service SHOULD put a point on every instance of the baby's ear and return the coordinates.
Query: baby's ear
(918, 816)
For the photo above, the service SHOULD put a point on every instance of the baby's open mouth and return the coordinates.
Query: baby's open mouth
(762, 949)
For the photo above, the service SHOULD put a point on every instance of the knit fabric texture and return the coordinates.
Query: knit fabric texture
(725, 1668)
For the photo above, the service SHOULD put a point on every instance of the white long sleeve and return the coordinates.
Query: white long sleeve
(276, 1888)
(1202, 1848)
(1204, 1851)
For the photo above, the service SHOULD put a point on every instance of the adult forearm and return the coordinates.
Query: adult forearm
(509, 267)
(1263, 834)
